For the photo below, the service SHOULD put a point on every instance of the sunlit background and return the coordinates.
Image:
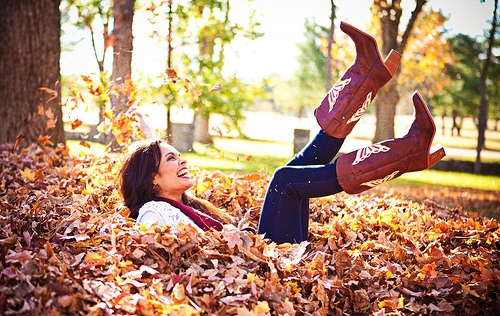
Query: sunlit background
(282, 22)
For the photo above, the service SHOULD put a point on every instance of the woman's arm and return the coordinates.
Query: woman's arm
(143, 125)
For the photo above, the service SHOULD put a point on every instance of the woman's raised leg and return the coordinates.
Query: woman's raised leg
(319, 151)
(283, 218)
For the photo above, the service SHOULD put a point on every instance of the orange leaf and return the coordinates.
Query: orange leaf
(76, 123)
(388, 303)
(44, 140)
(51, 124)
(86, 79)
(19, 140)
(217, 130)
(49, 114)
(49, 249)
(171, 73)
(85, 144)
(53, 93)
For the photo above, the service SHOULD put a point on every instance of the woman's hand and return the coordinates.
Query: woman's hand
(145, 128)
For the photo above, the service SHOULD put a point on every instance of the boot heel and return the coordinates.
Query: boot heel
(436, 153)
(391, 62)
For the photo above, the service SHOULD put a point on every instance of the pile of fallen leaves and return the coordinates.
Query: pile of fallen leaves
(67, 247)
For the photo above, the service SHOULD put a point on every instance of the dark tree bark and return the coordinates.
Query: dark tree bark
(328, 63)
(123, 13)
(29, 61)
(483, 105)
(169, 65)
(456, 126)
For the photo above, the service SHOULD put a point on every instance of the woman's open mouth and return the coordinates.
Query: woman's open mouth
(183, 173)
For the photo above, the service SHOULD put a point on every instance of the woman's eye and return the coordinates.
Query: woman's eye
(172, 157)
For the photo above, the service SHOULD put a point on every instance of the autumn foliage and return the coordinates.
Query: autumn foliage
(67, 247)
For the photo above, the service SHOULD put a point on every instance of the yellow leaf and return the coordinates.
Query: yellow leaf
(401, 302)
(179, 294)
(28, 175)
(261, 309)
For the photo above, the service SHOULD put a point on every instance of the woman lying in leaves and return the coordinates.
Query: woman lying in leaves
(155, 178)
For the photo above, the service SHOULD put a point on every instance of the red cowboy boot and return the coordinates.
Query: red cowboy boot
(348, 99)
(368, 167)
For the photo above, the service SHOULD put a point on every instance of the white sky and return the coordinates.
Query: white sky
(282, 21)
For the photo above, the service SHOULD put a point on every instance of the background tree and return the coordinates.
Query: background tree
(209, 24)
(308, 80)
(330, 40)
(123, 15)
(89, 13)
(494, 91)
(120, 90)
(320, 56)
(462, 95)
(197, 34)
(483, 106)
(428, 54)
(389, 13)
(168, 20)
(30, 72)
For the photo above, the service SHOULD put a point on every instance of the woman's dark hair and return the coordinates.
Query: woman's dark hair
(136, 179)
(137, 175)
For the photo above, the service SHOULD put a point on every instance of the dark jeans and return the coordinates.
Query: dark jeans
(310, 173)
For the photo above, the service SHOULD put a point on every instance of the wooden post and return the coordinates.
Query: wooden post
(300, 139)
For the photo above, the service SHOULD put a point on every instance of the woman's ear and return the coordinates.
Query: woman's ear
(155, 184)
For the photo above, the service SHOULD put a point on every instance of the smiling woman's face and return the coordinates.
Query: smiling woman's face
(173, 177)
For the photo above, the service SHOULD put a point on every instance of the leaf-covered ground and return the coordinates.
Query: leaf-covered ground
(484, 202)
(67, 247)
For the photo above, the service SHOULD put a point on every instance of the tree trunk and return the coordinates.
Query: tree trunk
(455, 126)
(201, 133)
(483, 105)
(123, 13)
(388, 97)
(390, 13)
(328, 63)
(443, 128)
(29, 60)
(385, 111)
(169, 65)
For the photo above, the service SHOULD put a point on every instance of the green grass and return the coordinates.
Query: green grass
(230, 155)
(248, 156)
(466, 140)
(240, 156)
(451, 179)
